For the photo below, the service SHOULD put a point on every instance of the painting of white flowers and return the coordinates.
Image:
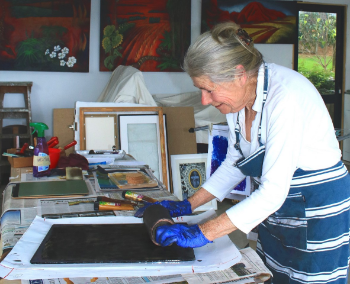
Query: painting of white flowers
(45, 35)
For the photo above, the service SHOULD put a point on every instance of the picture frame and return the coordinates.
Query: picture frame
(139, 136)
(103, 126)
(83, 111)
(188, 175)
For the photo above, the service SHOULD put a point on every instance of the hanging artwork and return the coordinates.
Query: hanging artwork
(146, 34)
(264, 21)
(45, 35)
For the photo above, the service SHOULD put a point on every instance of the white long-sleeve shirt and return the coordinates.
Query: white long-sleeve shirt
(297, 132)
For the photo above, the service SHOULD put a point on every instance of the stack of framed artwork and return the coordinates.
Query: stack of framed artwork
(139, 131)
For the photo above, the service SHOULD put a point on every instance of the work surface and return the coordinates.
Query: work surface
(28, 213)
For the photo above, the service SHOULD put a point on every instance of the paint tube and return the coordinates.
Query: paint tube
(104, 198)
(104, 205)
(137, 197)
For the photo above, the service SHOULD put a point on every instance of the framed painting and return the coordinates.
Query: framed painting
(139, 136)
(264, 21)
(45, 35)
(188, 174)
(146, 34)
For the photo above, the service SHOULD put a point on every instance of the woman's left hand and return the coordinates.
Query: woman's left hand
(183, 235)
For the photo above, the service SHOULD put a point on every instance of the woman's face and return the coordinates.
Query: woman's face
(226, 97)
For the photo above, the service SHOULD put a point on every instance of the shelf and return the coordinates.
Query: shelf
(2, 136)
(16, 84)
(14, 110)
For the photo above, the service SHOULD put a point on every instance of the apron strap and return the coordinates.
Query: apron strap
(237, 132)
(238, 128)
(266, 77)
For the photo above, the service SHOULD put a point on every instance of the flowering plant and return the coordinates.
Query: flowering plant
(61, 55)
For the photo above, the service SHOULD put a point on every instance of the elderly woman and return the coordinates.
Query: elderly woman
(282, 136)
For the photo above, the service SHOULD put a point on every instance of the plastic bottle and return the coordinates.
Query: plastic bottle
(41, 159)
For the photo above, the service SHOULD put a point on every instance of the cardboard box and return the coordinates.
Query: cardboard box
(20, 162)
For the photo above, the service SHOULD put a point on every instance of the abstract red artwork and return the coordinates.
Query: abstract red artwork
(146, 34)
(264, 21)
(45, 35)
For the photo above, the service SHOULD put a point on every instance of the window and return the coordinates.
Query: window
(319, 53)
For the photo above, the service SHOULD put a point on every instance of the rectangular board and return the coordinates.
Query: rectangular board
(104, 243)
(49, 189)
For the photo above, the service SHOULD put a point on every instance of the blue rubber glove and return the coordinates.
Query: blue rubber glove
(183, 235)
(176, 208)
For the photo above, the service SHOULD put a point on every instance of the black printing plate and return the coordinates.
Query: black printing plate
(104, 243)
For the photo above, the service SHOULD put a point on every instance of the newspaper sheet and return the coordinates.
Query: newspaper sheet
(250, 268)
(13, 225)
(19, 213)
(219, 255)
(109, 280)
(10, 203)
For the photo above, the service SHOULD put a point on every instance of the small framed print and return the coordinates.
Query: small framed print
(188, 175)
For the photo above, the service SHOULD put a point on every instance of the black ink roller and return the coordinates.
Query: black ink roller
(155, 216)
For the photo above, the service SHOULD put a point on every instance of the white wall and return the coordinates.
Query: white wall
(61, 90)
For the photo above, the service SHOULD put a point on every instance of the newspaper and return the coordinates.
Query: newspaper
(19, 213)
(250, 269)
(13, 225)
(109, 280)
(10, 203)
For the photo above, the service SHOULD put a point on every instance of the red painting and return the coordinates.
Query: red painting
(45, 35)
(146, 34)
(264, 21)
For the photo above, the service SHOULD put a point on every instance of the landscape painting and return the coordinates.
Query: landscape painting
(146, 34)
(264, 21)
(45, 35)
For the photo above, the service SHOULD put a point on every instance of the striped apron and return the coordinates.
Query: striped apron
(307, 239)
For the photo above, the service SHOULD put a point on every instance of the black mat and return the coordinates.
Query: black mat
(104, 243)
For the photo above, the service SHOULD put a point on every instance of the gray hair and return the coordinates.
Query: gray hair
(217, 53)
